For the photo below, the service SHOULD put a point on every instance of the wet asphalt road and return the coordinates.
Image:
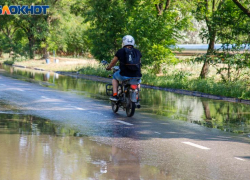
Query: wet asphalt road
(181, 150)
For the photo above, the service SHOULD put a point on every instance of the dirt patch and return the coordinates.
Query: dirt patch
(63, 64)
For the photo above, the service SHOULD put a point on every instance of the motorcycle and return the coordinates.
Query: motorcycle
(127, 92)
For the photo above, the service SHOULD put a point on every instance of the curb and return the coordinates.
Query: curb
(19, 66)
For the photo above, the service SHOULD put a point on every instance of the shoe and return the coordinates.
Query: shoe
(138, 105)
(114, 98)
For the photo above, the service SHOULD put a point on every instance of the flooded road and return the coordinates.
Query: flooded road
(226, 116)
(68, 131)
(36, 148)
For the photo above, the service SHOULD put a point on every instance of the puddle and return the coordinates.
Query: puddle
(36, 148)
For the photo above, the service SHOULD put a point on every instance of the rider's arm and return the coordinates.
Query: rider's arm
(113, 62)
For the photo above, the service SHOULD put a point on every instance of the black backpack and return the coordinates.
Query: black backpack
(132, 60)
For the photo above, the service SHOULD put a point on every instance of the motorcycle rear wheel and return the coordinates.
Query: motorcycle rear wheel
(130, 109)
(115, 107)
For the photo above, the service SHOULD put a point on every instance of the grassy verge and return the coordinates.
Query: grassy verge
(8, 62)
(237, 89)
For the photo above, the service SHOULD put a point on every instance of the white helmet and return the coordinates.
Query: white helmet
(128, 40)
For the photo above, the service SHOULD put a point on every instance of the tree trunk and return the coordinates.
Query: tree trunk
(210, 50)
(228, 72)
(206, 110)
(160, 7)
(46, 52)
(204, 70)
(157, 68)
(31, 47)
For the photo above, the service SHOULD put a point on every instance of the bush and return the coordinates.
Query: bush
(9, 62)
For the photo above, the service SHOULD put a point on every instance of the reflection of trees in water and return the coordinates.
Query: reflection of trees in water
(50, 157)
(158, 102)
(206, 110)
(172, 105)
(111, 162)
(63, 82)
(92, 87)
(25, 73)
(26, 124)
(227, 116)
(93, 160)
(208, 118)
(214, 114)
(119, 160)
(125, 164)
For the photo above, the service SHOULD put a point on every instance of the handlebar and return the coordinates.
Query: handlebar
(104, 62)
(114, 69)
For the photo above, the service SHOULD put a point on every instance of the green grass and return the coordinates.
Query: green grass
(9, 62)
(95, 70)
(238, 89)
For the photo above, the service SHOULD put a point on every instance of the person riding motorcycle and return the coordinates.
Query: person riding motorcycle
(125, 71)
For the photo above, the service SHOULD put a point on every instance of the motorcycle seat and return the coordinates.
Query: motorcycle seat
(131, 81)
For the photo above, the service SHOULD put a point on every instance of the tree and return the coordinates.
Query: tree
(59, 21)
(235, 36)
(7, 30)
(160, 6)
(77, 40)
(107, 25)
(155, 27)
(206, 10)
(241, 6)
(12, 37)
(45, 32)
(229, 26)
(34, 26)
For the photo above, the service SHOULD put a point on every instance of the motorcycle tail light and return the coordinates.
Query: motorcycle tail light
(134, 86)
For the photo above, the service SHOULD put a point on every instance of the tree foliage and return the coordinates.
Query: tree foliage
(226, 24)
(156, 27)
(79, 26)
(31, 34)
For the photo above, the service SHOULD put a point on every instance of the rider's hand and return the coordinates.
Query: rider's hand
(108, 68)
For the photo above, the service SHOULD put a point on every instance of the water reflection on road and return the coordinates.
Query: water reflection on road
(230, 117)
(36, 148)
